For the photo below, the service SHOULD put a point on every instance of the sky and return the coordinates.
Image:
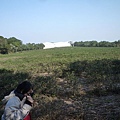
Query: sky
(39, 21)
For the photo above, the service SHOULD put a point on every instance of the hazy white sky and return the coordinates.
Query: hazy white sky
(38, 21)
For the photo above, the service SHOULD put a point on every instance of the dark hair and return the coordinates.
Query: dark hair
(24, 87)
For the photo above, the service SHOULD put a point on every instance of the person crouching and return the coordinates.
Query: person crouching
(19, 102)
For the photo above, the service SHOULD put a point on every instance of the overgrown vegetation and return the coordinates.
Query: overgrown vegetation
(13, 44)
(69, 83)
(97, 44)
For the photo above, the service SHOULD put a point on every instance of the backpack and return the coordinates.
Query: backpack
(28, 117)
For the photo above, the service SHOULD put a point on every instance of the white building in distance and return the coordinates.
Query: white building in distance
(56, 44)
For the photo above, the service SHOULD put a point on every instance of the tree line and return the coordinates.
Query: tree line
(97, 44)
(13, 44)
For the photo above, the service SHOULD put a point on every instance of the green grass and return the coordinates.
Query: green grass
(40, 60)
(94, 68)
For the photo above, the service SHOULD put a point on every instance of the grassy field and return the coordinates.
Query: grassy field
(40, 60)
(69, 83)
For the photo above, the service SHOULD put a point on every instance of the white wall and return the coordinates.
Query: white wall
(56, 44)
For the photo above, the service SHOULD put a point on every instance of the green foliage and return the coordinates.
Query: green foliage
(39, 61)
(3, 42)
(14, 45)
(3, 50)
(75, 73)
(15, 42)
(47, 85)
(105, 66)
(97, 44)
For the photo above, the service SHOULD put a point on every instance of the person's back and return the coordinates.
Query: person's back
(18, 103)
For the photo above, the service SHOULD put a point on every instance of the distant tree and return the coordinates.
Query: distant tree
(118, 43)
(93, 43)
(104, 44)
(23, 47)
(79, 44)
(3, 42)
(42, 45)
(30, 46)
(87, 43)
(39, 46)
(14, 43)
